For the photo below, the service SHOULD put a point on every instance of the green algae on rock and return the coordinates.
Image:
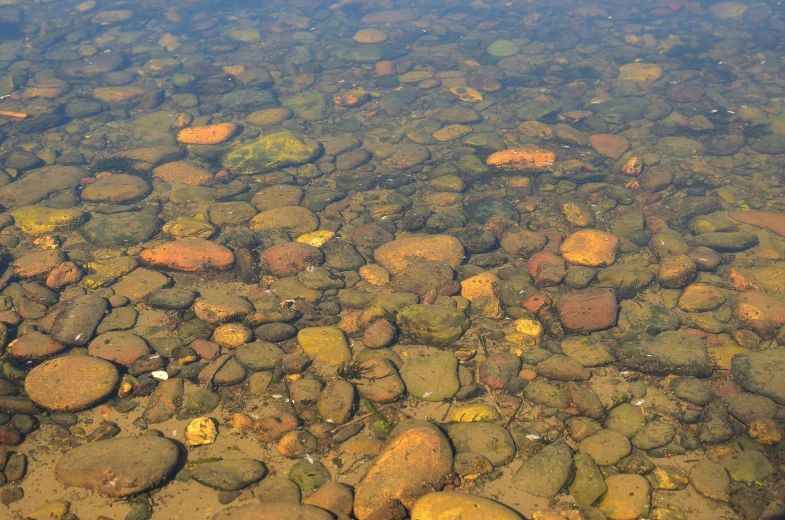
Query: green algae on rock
(271, 152)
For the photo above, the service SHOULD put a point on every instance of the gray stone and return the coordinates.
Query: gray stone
(761, 372)
(229, 475)
(76, 323)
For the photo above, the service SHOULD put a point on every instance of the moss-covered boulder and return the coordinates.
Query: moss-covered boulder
(271, 152)
(432, 325)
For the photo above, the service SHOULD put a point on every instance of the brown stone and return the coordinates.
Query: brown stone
(588, 310)
(760, 312)
(38, 263)
(414, 463)
(700, 297)
(771, 220)
(396, 255)
(71, 383)
(289, 258)
(119, 347)
(609, 145)
(183, 172)
(119, 188)
(34, 346)
(67, 273)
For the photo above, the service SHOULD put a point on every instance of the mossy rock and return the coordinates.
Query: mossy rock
(271, 152)
(432, 325)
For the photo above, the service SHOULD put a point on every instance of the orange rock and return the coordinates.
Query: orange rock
(760, 312)
(208, 134)
(526, 158)
(183, 172)
(370, 36)
(117, 94)
(385, 68)
(609, 145)
(590, 247)
(771, 220)
(407, 468)
(191, 255)
(478, 285)
(67, 273)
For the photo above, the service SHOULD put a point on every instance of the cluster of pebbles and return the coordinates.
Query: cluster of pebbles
(393, 259)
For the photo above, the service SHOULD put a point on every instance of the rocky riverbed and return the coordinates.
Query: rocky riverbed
(392, 259)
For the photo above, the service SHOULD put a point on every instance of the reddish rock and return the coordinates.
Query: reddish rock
(206, 349)
(34, 346)
(67, 273)
(762, 313)
(771, 220)
(272, 427)
(609, 145)
(38, 263)
(546, 268)
(588, 310)
(289, 258)
(120, 347)
(183, 172)
(499, 368)
(9, 436)
(191, 255)
(385, 68)
(379, 334)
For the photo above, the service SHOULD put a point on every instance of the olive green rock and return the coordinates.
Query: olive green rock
(271, 152)
(545, 473)
(432, 325)
(326, 344)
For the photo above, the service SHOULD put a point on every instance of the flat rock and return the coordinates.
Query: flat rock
(71, 383)
(588, 310)
(273, 511)
(121, 229)
(671, 352)
(34, 345)
(36, 185)
(432, 324)
(434, 506)
(710, 480)
(118, 467)
(229, 475)
(411, 465)
(76, 323)
(140, 283)
(431, 374)
(606, 447)
(189, 255)
(761, 372)
(628, 497)
(484, 438)
(545, 473)
(119, 347)
(396, 255)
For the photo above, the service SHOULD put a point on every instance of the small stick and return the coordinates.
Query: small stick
(219, 363)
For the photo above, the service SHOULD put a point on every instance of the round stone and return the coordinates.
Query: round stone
(71, 383)
(120, 188)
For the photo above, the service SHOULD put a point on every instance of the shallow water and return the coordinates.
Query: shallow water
(280, 231)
